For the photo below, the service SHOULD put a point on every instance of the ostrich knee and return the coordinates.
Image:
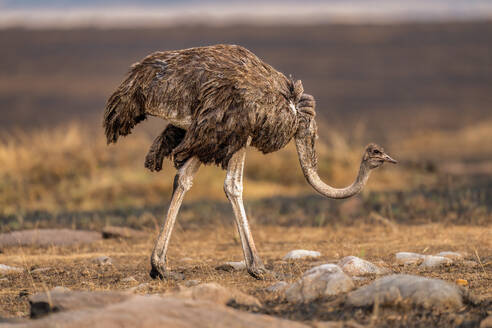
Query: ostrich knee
(184, 181)
(232, 188)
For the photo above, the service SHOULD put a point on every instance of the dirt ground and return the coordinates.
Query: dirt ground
(196, 253)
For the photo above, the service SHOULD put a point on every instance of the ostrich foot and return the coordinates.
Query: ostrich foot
(163, 274)
(259, 272)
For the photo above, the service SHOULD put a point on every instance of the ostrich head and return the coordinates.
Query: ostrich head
(373, 157)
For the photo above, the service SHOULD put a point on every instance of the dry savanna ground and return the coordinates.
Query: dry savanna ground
(197, 252)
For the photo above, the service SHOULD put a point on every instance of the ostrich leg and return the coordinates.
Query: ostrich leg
(182, 183)
(233, 187)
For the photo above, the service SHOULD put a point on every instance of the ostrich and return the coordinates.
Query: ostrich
(218, 101)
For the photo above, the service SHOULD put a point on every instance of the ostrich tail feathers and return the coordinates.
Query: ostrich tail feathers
(124, 110)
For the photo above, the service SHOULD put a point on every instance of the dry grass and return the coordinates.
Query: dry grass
(70, 168)
(73, 267)
(467, 143)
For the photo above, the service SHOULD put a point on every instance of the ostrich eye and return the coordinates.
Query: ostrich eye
(376, 152)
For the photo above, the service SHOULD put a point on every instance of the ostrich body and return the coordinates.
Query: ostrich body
(219, 100)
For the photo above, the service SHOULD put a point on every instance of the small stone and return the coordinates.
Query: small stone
(40, 270)
(301, 254)
(397, 288)
(186, 259)
(4, 279)
(103, 260)
(232, 266)
(6, 269)
(355, 266)
(431, 261)
(407, 258)
(277, 287)
(129, 280)
(60, 289)
(323, 280)
(451, 255)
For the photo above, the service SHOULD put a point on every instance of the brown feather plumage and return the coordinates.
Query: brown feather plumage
(220, 95)
(163, 146)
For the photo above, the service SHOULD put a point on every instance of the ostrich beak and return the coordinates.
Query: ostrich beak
(388, 159)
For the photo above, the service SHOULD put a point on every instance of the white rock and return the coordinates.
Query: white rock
(4, 269)
(237, 265)
(60, 289)
(451, 255)
(277, 287)
(431, 261)
(328, 267)
(355, 266)
(301, 254)
(323, 280)
(40, 270)
(400, 288)
(408, 258)
(103, 260)
(232, 266)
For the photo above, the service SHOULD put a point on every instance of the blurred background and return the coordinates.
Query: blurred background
(413, 76)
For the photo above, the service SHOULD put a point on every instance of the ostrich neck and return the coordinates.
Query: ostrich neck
(310, 172)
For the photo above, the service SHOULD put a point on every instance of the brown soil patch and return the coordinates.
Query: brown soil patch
(47, 237)
(72, 267)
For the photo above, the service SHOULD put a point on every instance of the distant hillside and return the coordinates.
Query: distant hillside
(387, 77)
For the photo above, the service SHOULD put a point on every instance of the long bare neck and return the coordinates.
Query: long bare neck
(310, 172)
(338, 193)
